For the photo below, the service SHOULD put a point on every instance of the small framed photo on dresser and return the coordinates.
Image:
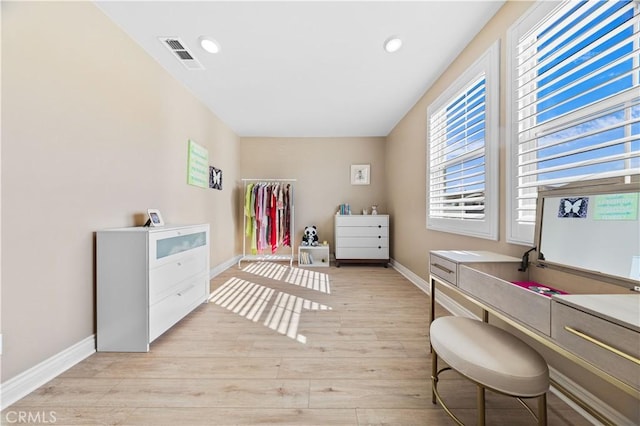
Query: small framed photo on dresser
(155, 218)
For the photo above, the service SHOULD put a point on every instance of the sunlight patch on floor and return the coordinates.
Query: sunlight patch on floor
(242, 297)
(306, 278)
(270, 270)
(284, 316)
(301, 277)
(250, 300)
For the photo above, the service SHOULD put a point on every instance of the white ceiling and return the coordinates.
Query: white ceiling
(303, 68)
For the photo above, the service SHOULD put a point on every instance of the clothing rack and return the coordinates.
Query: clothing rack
(260, 256)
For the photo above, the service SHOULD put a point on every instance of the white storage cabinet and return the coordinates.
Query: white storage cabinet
(147, 280)
(314, 256)
(362, 239)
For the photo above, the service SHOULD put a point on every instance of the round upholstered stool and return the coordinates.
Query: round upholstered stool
(490, 357)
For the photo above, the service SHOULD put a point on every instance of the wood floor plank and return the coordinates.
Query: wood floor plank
(384, 393)
(190, 368)
(68, 415)
(265, 393)
(372, 368)
(242, 416)
(62, 392)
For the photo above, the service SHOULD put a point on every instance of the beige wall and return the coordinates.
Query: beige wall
(94, 132)
(322, 169)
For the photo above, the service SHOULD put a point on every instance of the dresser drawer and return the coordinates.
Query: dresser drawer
(362, 253)
(164, 277)
(377, 221)
(444, 269)
(172, 308)
(165, 246)
(362, 231)
(574, 329)
(370, 242)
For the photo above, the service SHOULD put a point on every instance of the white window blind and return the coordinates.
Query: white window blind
(575, 100)
(457, 155)
(462, 149)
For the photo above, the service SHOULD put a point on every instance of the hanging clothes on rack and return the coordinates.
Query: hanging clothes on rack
(288, 206)
(267, 212)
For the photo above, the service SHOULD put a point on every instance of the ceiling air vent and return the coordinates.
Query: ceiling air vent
(184, 56)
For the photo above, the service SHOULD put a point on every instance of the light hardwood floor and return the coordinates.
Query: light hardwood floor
(331, 346)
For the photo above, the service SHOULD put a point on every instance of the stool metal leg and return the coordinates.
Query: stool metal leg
(434, 375)
(480, 405)
(542, 410)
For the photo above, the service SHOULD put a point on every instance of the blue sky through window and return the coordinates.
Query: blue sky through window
(465, 118)
(583, 74)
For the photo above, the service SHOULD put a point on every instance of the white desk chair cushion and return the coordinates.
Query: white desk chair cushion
(490, 356)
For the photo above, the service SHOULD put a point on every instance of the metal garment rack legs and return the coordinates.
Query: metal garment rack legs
(272, 257)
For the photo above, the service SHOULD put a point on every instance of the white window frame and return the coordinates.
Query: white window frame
(519, 232)
(489, 64)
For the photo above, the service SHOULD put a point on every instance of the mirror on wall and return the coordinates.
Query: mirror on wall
(594, 228)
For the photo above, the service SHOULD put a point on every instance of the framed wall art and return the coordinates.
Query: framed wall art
(215, 178)
(197, 165)
(360, 174)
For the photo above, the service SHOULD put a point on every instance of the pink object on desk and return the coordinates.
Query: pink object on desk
(538, 288)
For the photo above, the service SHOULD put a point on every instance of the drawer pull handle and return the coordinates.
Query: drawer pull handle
(442, 268)
(184, 290)
(602, 345)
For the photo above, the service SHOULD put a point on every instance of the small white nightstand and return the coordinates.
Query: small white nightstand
(314, 256)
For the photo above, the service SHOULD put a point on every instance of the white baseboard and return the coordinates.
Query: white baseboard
(218, 269)
(24, 383)
(592, 401)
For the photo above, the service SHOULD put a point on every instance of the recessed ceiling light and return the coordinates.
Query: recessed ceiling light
(392, 44)
(209, 44)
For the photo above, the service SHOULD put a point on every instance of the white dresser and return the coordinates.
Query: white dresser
(147, 280)
(362, 239)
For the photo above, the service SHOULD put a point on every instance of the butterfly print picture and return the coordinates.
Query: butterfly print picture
(573, 207)
(215, 178)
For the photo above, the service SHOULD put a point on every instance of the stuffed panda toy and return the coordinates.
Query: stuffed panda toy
(310, 237)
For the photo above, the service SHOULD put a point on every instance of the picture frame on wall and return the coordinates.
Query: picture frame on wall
(215, 178)
(360, 174)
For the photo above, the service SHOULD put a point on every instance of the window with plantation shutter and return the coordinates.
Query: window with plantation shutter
(574, 107)
(462, 152)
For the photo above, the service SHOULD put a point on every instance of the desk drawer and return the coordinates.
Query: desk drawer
(532, 309)
(602, 331)
(444, 269)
